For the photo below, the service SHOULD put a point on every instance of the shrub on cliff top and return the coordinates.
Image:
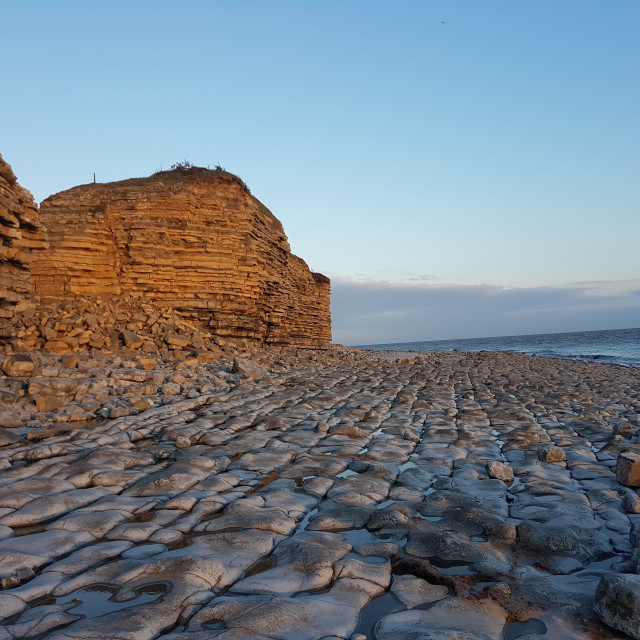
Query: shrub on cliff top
(185, 165)
(187, 169)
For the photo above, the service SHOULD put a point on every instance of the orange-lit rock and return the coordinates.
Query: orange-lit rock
(193, 240)
(21, 234)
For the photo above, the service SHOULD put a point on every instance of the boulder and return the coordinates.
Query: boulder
(543, 538)
(66, 389)
(551, 453)
(132, 340)
(624, 430)
(499, 471)
(18, 365)
(46, 403)
(171, 389)
(10, 419)
(618, 603)
(630, 501)
(249, 369)
(628, 468)
(176, 340)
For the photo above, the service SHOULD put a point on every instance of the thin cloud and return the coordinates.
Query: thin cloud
(383, 312)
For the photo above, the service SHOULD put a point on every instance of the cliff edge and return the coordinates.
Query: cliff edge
(192, 240)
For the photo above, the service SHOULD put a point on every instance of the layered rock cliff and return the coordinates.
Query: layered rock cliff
(21, 234)
(193, 240)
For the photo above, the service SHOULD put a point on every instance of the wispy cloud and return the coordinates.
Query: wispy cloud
(378, 312)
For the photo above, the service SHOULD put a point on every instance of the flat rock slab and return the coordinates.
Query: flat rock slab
(452, 618)
(345, 493)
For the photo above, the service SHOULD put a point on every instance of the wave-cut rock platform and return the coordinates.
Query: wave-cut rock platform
(337, 494)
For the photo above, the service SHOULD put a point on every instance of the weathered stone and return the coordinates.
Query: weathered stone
(547, 539)
(269, 463)
(628, 468)
(45, 508)
(414, 592)
(631, 502)
(47, 403)
(7, 437)
(10, 419)
(132, 340)
(147, 364)
(304, 562)
(18, 365)
(182, 442)
(65, 388)
(444, 545)
(625, 430)
(176, 340)
(249, 369)
(499, 471)
(143, 404)
(348, 430)
(551, 453)
(20, 232)
(171, 389)
(450, 619)
(618, 603)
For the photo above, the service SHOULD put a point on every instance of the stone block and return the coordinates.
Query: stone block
(628, 468)
(170, 389)
(132, 340)
(18, 365)
(10, 419)
(249, 369)
(551, 453)
(618, 603)
(147, 364)
(47, 403)
(176, 340)
(499, 471)
(543, 538)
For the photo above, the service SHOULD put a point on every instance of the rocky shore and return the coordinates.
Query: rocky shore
(340, 493)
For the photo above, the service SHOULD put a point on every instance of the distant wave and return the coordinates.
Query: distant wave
(617, 346)
(576, 356)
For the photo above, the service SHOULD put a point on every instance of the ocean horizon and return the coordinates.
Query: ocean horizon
(612, 346)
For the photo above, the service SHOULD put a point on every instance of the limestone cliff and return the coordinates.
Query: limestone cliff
(194, 240)
(20, 233)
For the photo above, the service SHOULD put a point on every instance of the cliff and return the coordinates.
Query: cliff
(21, 234)
(193, 240)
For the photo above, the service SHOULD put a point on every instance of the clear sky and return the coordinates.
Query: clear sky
(450, 165)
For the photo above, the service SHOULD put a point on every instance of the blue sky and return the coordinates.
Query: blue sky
(409, 148)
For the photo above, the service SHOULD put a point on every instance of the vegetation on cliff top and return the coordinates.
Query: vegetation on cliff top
(184, 169)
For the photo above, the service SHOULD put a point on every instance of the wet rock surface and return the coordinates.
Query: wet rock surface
(337, 494)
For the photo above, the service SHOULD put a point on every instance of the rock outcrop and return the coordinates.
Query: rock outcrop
(20, 233)
(193, 240)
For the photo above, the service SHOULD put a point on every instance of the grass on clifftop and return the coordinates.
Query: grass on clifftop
(184, 169)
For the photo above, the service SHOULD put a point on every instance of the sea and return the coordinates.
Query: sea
(616, 346)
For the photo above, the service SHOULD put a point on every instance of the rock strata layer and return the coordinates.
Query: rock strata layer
(193, 240)
(21, 234)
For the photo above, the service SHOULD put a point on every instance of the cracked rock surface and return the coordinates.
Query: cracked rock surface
(338, 494)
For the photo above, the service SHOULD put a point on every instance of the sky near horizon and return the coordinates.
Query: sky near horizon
(459, 169)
